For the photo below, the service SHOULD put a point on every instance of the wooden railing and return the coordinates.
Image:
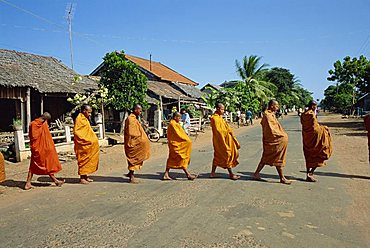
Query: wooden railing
(60, 137)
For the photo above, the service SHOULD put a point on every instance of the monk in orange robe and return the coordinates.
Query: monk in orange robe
(275, 143)
(367, 127)
(179, 146)
(2, 168)
(225, 144)
(317, 145)
(44, 157)
(137, 147)
(86, 145)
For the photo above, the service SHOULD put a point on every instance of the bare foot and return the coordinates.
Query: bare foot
(127, 175)
(89, 180)
(285, 181)
(166, 177)
(310, 178)
(234, 177)
(133, 180)
(257, 177)
(212, 175)
(59, 183)
(28, 186)
(192, 177)
(84, 181)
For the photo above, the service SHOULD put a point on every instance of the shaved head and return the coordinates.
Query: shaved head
(220, 108)
(272, 102)
(273, 105)
(311, 103)
(86, 110)
(136, 106)
(46, 116)
(85, 107)
(219, 105)
(136, 110)
(176, 114)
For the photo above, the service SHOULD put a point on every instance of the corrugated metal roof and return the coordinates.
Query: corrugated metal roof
(167, 91)
(190, 90)
(160, 70)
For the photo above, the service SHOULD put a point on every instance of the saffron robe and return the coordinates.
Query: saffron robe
(275, 141)
(44, 157)
(137, 147)
(179, 146)
(367, 126)
(86, 146)
(225, 144)
(2, 168)
(317, 145)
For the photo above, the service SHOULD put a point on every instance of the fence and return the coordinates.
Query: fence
(63, 140)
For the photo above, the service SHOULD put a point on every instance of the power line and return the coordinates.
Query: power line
(364, 45)
(48, 21)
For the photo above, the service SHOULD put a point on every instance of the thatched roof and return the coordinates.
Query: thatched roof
(44, 74)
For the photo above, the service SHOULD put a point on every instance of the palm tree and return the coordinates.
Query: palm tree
(251, 73)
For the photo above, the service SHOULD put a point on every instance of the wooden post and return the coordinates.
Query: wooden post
(23, 118)
(19, 144)
(101, 132)
(28, 107)
(178, 109)
(67, 131)
(103, 117)
(41, 104)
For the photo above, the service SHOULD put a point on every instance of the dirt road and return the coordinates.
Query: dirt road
(206, 212)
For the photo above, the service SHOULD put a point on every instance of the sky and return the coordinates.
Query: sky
(200, 39)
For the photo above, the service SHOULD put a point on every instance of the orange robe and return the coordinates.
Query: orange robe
(2, 168)
(275, 141)
(86, 146)
(179, 146)
(225, 144)
(317, 145)
(137, 147)
(44, 157)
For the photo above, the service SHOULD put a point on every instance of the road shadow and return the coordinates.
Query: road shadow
(21, 184)
(249, 176)
(76, 180)
(159, 175)
(340, 175)
(355, 125)
(355, 134)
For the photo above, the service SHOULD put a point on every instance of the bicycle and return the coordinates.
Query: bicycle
(152, 133)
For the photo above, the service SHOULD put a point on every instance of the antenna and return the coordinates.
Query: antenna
(70, 9)
(150, 62)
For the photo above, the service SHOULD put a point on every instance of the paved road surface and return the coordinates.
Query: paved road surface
(204, 213)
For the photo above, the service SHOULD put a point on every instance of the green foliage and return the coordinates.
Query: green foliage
(258, 85)
(126, 84)
(193, 112)
(288, 90)
(251, 74)
(338, 98)
(353, 81)
(354, 72)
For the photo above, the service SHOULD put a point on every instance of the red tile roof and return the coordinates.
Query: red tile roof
(160, 70)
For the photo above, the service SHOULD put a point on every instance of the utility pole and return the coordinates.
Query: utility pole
(69, 15)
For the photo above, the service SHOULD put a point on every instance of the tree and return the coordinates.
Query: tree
(251, 74)
(338, 98)
(126, 84)
(352, 72)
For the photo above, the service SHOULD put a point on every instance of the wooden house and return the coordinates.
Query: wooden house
(31, 84)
